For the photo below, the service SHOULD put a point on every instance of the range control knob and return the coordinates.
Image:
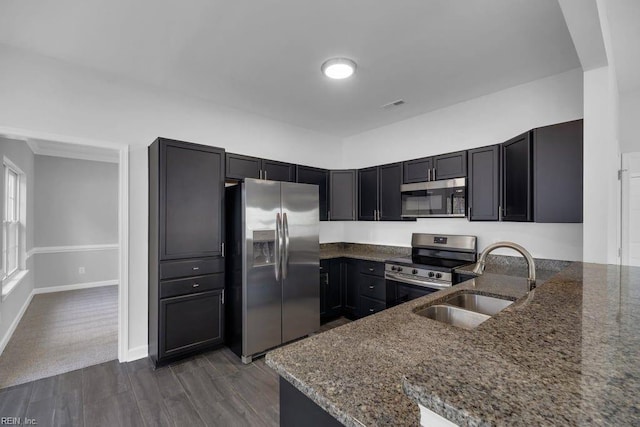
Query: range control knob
(399, 268)
(393, 268)
(414, 271)
(438, 275)
(431, 274)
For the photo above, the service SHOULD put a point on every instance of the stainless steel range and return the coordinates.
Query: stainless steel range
(430, 267)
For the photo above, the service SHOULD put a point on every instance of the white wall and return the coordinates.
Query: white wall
(46, 95)
(483, 121)
(76, 205)
(77, 202)
(601, 164)
(20, 154)
(629, 122)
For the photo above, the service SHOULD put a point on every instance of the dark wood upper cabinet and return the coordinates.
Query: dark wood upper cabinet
(517, 179)
(379, 197)
(452, 165)
(240, 167)
(342, 195)
(418, 170)
(390, 201)
(319, 177)
(443, 166)
(368, 194)
(483, 195)
(278, 171)
(191, 178)
(558, 172)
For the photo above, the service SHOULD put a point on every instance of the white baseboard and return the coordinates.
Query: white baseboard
(137, 353)
(16, 321)
(74, 287)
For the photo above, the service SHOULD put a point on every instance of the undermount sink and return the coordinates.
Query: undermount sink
(479, 303)
(454, 316)
(465, 310)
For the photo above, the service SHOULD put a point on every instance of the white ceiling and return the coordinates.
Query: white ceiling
(264, 56)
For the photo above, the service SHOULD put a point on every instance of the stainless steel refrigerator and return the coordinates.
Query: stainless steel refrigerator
(273, 285)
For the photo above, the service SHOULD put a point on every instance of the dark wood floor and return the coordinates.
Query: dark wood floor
(212, 389)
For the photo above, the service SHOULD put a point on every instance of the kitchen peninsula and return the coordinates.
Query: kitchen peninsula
(568, 353)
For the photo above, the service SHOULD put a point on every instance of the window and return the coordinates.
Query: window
(13, 227)
(11, 222)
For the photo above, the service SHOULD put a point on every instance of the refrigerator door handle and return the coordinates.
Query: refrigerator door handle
(278, 247)
(285, 258)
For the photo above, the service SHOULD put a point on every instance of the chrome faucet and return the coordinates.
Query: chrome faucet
(480, 265)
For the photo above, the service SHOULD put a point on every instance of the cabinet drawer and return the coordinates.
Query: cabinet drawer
(372, 267)
(370, 306)
(191, 267)
(190, 285)
(373, 287)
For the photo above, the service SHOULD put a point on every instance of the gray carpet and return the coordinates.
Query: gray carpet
(61, 332)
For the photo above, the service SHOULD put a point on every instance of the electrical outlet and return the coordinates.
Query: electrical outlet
(81, 270)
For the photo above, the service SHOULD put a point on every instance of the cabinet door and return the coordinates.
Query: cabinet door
(191, 322)
(335, 291)
(351, 293)
(390, 201)
(484, 184)
(278, 171)
(557, 160)
(417, 170)
(342, 206)
(367, 194)
(452, 165)
(241, 167)
(324, 287)
(191, 200)
(319, 177)
(517, 179)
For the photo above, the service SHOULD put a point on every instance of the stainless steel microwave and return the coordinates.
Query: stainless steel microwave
(445, 198)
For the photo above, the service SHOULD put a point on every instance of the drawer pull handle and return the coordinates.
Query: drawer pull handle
(195, 285)
(371, 310)
(371, 269)
(371, 286)
(196, 268)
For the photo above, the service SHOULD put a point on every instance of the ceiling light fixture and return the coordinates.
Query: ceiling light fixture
(338, 68)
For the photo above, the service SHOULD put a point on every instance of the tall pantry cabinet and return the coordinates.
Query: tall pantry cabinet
(186, 249)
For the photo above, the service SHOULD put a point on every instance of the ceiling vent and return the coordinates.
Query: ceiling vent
(393, 104)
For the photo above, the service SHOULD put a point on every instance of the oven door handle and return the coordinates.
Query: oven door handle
(397, 278)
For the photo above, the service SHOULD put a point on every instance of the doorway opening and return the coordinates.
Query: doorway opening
(63, 226)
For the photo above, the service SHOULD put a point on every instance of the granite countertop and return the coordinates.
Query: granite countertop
(567, 353)
(365, 252)
(517, 266)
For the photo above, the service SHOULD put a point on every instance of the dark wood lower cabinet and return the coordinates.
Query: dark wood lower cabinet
(350, 285)
(352, 288)
(191, 322)
(331, 289)
(296, 409)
